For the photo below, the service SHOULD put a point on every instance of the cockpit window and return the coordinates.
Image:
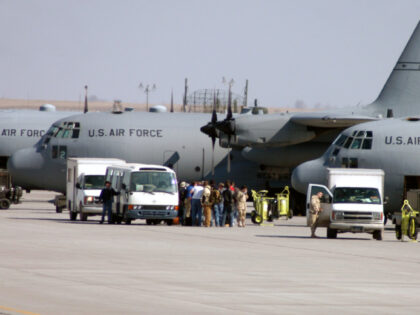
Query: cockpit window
(340, 140)
(357, 142)
(367, 144)
(361, 139)
(348, 142)
(65, 130)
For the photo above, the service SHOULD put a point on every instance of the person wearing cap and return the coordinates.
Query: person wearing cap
(217, 200)
(107, 197)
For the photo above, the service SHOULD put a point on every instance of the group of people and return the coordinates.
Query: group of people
(220, 204)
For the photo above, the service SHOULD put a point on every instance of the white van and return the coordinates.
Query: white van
(85, 179)
(145, 192)
(352, 202)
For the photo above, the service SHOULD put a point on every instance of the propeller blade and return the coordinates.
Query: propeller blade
(229, 109)
(213, 141)
(228, 157)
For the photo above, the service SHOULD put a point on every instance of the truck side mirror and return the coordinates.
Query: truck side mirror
(78, 186)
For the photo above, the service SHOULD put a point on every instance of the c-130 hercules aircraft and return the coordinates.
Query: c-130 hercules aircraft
(270, 145)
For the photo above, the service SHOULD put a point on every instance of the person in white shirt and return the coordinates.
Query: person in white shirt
(196, 209)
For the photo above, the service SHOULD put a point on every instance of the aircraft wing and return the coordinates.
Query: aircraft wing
(323, 120)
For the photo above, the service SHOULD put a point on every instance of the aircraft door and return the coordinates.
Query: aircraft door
(326, 204)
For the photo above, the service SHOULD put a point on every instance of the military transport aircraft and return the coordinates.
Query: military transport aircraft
(392, 145)
(275, 143)
(283, 141)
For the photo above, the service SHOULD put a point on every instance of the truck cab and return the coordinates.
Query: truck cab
(145, 192)
(352, 202)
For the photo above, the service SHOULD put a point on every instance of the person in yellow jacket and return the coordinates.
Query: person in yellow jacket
(206, 203)
(241, 198)
(314, 212)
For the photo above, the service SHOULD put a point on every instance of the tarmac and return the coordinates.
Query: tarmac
(51, 265)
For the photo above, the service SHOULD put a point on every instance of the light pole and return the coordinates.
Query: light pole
(147, 88)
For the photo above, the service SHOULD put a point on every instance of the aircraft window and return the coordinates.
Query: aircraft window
(361, 133)
(354, 163)
(336, 151)
(356, 143)
(77, 125)
(340, 140)
(60, 133)
(75, 134)
(62, 152)
(369, 134)
(54, 151)
(354, 133)
(367, 144)
(348, 142)
(66, 133)
(344, 162)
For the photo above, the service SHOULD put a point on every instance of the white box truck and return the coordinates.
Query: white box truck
(145, 192)
(85, 180)
(352, 202)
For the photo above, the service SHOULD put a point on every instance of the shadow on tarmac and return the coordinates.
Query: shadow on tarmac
(308, 237)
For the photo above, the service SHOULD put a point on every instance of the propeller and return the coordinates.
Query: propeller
(211, 131)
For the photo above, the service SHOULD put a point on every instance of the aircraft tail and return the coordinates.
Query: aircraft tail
(401, 92)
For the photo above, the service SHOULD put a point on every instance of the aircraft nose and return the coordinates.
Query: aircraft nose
(22, 165)
(311, 172)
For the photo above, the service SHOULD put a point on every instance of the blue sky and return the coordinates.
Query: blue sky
(336, 53)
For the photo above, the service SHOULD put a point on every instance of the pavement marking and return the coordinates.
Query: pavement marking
(5, 308)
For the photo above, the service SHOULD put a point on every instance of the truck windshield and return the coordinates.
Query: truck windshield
(356, 195)
(153, 181)
(94, 182)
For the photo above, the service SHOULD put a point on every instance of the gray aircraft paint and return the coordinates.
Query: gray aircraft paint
(395, 149)
(23, 128)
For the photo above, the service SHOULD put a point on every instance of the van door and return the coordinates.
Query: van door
(326, 203)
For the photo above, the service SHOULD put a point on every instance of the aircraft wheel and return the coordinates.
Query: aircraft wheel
(4, 204)
(398, 233)
(73, 215)
(412, 228)
(331, 233)
(378, 235)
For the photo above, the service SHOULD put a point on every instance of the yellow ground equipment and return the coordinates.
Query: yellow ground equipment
(406, 222)
(270, 208)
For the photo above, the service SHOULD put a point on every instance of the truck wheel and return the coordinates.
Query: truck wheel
(258, 219)
(378, 235)
(4, 204)
(148, 221)
(59, 209)
(412, 228)
(331, 233)
(398, 233)
(73, 215)
(169, 222)
(83, 216)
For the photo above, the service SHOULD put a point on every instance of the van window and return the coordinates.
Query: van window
(356, 195)
(153, 181)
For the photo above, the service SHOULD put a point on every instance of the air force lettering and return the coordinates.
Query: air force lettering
(121, 132)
